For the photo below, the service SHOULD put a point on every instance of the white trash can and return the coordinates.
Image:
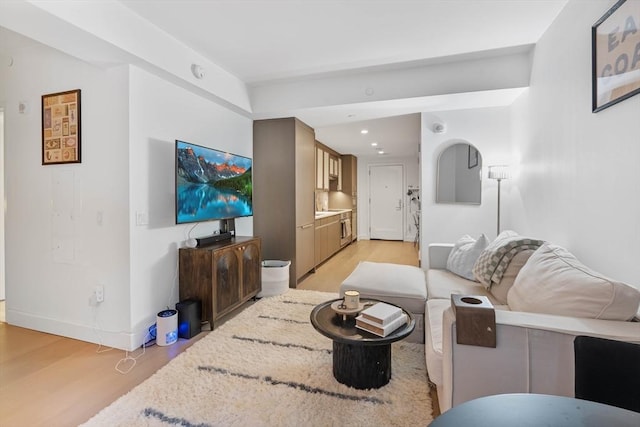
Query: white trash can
(275, 278)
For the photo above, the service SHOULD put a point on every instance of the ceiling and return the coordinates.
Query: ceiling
(262, 42)
(284, 43)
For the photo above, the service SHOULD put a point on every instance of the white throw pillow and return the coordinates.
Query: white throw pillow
(464, 254)
(553, 281)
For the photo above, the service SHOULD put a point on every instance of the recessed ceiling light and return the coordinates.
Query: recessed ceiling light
(380, 151)
(364, 131)
(374, 144)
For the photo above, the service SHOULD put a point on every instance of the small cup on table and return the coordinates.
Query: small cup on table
(351, 300)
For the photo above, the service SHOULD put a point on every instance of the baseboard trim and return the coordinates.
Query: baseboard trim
(120, 340)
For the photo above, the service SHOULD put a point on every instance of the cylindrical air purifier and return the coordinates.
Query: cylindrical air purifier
(167, 327)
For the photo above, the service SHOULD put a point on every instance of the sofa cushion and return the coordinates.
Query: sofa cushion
(553, 281)
(464, 254)
(404, 285)
(501, 289)
(442, 283)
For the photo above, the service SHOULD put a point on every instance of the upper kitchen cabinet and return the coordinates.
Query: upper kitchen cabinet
(349, 174)
(334, 166)
(347, 180)
(283, 192)
(328, 166)
(322, 173)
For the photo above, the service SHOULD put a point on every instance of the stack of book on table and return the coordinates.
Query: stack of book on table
(381, 319)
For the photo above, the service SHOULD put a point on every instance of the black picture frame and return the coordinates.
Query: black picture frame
(472, 159)
(614, 40)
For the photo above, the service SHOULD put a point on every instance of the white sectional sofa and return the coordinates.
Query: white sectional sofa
(542, 296)
(534, 351)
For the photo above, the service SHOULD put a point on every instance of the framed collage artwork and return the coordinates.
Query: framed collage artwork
(61, 128)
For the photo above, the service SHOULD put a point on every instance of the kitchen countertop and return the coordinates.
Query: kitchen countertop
(330, 212)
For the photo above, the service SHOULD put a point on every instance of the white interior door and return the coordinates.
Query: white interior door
(386, 210)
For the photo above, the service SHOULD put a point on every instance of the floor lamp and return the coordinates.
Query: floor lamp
(499, 172)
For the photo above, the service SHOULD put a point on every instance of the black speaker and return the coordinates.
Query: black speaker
(189, 312)
(228, 226)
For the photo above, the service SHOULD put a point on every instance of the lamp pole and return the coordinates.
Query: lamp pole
(499, 173)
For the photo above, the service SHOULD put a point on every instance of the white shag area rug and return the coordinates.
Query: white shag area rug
(268, 366)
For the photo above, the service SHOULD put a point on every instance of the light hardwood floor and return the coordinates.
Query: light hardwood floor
(332, 273)
(47, 380)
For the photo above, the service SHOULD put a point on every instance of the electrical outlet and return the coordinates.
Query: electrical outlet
(99, 293)
(142, 218)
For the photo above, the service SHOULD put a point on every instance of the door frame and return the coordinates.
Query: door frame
(2, 209)
(402, 195)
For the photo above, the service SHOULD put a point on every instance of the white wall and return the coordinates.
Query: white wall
(161, 113)
(58, 250)
(411, 178)
(488, 129)
(130, 120)
(579, 171)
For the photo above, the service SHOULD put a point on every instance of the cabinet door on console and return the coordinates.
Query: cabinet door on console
(251, 268)
(226, 279)
(196, 274)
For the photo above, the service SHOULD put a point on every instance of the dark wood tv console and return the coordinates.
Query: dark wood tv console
(222, 276)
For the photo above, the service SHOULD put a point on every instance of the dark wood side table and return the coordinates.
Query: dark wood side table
(534, 410)
(361, 359)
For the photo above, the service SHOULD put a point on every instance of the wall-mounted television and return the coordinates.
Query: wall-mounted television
(211, 184)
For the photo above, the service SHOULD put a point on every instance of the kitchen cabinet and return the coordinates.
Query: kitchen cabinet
(328, 232)
(350, 188)
(328, 167)
(334, 169)
(305, 249)
(344, 194)
(284, 180)
(335, 232)
(222, 276)
(319, 169)
(325, 170)
(321, 242)
(354, 225)
(349, 174)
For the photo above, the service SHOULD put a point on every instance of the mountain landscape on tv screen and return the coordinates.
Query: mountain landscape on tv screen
(211, 184)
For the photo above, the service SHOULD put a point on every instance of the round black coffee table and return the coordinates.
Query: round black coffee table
(361, 359)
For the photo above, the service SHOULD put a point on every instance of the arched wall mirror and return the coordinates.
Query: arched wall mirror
(459, 177)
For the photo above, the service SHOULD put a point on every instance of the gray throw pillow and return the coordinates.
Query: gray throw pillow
(464, 254)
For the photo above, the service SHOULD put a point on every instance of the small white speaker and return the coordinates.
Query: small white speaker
(438, 128)
(197, 71)
(191, 243)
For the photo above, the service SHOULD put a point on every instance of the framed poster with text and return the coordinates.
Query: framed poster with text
(615, 51)
(61, 127)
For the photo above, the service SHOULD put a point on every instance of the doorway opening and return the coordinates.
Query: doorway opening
(2, 198)
(386, 202)
(2, 265)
